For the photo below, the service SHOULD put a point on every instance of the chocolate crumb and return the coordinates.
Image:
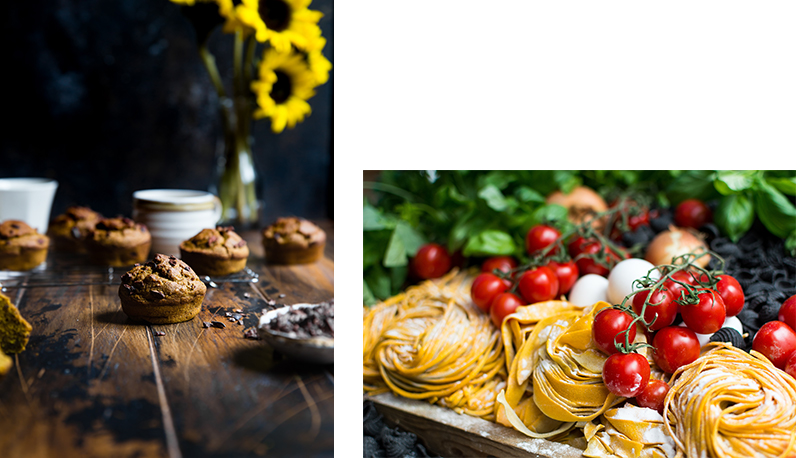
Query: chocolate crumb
(238, 311)
(227, 314)
(281, 296)
(217, 324)
(246, 295)
(206, 324)
(251, 333)
(159, 333)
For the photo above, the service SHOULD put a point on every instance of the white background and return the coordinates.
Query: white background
(550, 85)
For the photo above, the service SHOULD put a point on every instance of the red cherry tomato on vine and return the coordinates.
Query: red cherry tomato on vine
(731, 293)
(790, 366)
(431, 261)
(503, 305)
(539, 284)
(485, 288)
(692, 213)
(567, 273)
(776, 341)
(675, 347)
(539, 237)
(608, 329)
(663, 313)
(626, 374)
(588, 265)
(575, 247)
(676, 288)
(787, 312)
(502, 263)
(708, 315)
(653, 395)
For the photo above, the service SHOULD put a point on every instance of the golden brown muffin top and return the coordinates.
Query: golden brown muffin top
(75, 221)
(164, 278)
(292, 231)
(14, 232)
(119, 231)
(222, 242)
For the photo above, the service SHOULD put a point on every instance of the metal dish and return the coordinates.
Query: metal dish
(319, 350)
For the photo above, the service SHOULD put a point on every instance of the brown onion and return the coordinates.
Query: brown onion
(676, 241)
(581, 203)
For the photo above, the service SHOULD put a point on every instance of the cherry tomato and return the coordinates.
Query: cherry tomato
(626, 374)
(692, 213)
(502, 263)
(663, 313)
(539, 237)
(567, 273)
(776, 341)
(431, 261)
(675, 347)
(790, 366)
(503, 305)
(708, 315)
(606, 329)
(575, 247)
(787, 312)
(590, 266)
(539, 284)
(731, 293)
(653, 395)
(484, 289)
(676, 288)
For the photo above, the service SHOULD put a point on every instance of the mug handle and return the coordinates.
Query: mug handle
(217, 209)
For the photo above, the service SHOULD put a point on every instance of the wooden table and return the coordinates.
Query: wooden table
(93, 384)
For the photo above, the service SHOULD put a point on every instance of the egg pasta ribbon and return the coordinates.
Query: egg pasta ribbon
(729, 403)
(432, 343)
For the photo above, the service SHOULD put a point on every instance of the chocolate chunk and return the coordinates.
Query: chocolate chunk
(129, 288)
(159, 333)
(76, 232)
(206, 324)
(251, 333)
(127, 277)
(158, 294)
(138, 284)
(241, 243)
(217, 324)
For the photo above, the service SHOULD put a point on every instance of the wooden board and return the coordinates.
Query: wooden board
(447, 433)
(93, 384)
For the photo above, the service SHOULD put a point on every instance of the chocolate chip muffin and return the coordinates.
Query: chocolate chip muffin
(118, 242)
(21, 246)
(164, 290)
(69, 231)
(215, 252)
(14, 330)
(293, 241)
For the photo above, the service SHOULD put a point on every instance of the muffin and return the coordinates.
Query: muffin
(68, 231)
(14, 330)
(21, 246)
(164, 290)
(293, 241)
(118, 242)
(215, 252)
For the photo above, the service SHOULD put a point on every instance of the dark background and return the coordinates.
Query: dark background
(109, 97)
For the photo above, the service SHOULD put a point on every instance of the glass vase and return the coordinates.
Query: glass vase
(238, 185)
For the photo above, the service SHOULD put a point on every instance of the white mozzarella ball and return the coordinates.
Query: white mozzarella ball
(622, 276)
(588, 289)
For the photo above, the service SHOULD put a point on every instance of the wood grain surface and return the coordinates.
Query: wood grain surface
(91, 383)
(447, 433)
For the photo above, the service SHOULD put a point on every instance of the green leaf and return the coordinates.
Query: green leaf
(378, 281)
(775, 210)
(396, 251)
(735, 215)
(790, 243)
(498, 178)
(786, 185)
(526, 194)
(493, 197)
(374, 220)
(489, 243)
(549, 213)
(367, 295)
(411, 238)
(734, 181)
(397, 278)
(373, 245)
(691, 184)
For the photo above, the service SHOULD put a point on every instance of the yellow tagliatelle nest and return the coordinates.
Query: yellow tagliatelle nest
(628, 431)
(433, 343)
(729, 403)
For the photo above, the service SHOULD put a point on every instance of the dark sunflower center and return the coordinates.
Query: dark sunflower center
(282, 87)
(275, 14)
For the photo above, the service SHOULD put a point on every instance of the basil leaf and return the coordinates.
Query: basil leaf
(548, 213)
(775, 210)
(526, 194)
(378, 282)
(735, 215)
(691, 184)
(784, 184)
(367, 295)
(404, 242)
(498, 178)
(493, 197)
(411, 238)
(734, 181)
(397, 278)
(374, 220)
(373, 246)
(489, 243)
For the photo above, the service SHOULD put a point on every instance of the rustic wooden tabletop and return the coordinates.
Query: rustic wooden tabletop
(93, 384)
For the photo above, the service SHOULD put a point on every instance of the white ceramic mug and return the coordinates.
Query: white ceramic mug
(175, 215)
(27, 199)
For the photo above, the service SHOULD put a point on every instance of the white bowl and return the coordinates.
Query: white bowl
(319, 349)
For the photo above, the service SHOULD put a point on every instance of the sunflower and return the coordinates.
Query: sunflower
(286, 83)
(281, 22)
(319, 65)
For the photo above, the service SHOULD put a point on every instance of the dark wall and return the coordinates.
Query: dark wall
(108, 97)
